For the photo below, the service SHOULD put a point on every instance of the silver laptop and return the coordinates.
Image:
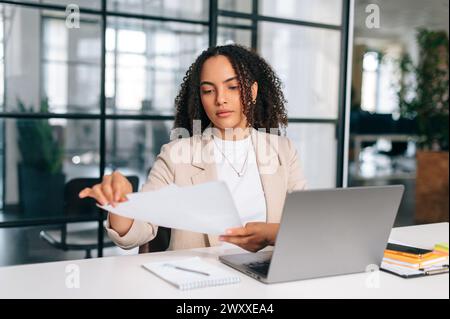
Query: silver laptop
(326, 233)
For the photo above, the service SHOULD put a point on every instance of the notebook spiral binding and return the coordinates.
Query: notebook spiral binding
(209, 283)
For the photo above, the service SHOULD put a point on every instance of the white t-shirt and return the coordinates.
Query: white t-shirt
(247, 190)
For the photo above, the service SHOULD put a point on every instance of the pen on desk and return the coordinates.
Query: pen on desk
(187, 269)
(443, 269)
(436, 271)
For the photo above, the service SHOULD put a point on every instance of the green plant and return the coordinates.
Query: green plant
(37, 144)
(424, 91)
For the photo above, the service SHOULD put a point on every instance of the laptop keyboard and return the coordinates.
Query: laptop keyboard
(261, 267)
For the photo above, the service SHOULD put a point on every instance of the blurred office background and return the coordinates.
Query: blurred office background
(78, 103)
(388, 143)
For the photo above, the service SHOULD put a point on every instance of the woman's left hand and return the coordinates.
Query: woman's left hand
(253, 237)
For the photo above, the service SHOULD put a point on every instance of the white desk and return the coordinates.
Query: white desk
(123, 277)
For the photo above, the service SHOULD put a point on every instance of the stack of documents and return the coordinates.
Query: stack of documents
(205, 208)
(409, 261)
(441, 249)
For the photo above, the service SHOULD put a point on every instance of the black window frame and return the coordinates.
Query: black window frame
(213, 25)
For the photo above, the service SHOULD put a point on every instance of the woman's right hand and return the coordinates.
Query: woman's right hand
(112, 190)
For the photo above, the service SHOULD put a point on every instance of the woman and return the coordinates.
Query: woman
(229, 100)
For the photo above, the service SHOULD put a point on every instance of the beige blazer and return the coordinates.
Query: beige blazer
(190, 161)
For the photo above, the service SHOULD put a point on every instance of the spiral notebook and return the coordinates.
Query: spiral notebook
(191, 273)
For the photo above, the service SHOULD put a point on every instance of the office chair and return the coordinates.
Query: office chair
(396, 154)
(399, 149)
(159, 243)
(79, 236)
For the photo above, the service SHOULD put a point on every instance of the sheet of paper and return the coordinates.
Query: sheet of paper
(205, 208)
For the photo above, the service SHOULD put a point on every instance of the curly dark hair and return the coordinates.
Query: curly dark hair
(268, 111)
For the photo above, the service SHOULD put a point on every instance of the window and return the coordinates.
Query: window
(146, 62)
(380, 77)
(111, 88)
(71, 64)
(370, 81)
